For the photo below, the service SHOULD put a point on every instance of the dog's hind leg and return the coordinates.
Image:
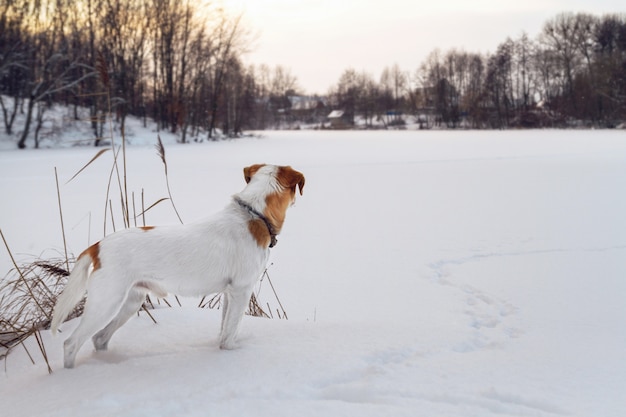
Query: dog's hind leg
(102, 304)
(232, 315)
(132, 304)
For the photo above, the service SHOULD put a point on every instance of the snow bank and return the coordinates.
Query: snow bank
(424, 273)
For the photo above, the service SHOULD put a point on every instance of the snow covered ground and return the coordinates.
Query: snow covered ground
(424, 274)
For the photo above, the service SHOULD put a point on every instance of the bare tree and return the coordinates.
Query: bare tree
(439, 75)
(474, 98)
(609, 40)
(272, 86)
(51, 69)
(123, 43)
(393, 85)
(524, 80)
(499, 85)
(228, 41)
(558, 36)
(371, 103)
(282, 80)
(14, 40)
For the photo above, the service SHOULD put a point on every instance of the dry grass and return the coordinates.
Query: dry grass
(254, 305)
(27, 296)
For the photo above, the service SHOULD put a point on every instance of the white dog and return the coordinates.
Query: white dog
(225, 253)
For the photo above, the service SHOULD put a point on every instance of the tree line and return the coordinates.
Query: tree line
(176, 62)
(180, 64)
(573, 73)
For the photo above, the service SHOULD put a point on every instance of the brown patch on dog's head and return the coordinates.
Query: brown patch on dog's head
(248, 172)
(146, 228)
(290, 178)
(276, 204)
(93, 252)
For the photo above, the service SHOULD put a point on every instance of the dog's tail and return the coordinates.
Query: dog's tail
(74, 289)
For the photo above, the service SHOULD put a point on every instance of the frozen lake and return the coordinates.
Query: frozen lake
(447, 273)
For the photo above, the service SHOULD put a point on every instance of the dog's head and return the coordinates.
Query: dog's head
(276, 185)
(287, 177)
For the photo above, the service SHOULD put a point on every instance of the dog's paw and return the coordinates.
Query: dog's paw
(68, 363)
(228, 345)
(100, 343)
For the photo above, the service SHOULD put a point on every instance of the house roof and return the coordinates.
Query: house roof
(336, 114)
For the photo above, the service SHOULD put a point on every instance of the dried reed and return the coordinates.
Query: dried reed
(161, 152)
(27, 296)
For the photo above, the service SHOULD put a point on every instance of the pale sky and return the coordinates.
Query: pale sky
(318, 39)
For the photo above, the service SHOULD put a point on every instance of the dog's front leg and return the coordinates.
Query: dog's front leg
(225, 298)
(234, 308)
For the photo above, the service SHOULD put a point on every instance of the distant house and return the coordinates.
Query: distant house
(308, 109)
(339, 120)
(306, 103)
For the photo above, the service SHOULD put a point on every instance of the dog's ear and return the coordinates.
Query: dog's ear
(300, 181)
(290, 178)
(248, 172)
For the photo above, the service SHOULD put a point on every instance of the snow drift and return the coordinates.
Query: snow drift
(424, 273)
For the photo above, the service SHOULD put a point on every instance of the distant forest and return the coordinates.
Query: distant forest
(181, 65)
(573, 74)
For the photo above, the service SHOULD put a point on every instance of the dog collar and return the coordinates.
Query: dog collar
(256, 213)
